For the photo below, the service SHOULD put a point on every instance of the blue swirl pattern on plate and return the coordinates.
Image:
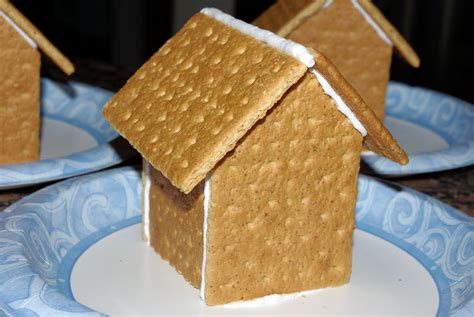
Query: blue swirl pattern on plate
(449, 117)
(37, 234)
(79, 105)
(43, 235)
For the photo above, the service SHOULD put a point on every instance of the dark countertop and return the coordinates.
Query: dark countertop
(454, 187)
(451, 187)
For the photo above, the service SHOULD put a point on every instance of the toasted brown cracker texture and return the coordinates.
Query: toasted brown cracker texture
(176, 221)
(378, 138)
(19, 97)
(285, 15)
(402, 46)
(284, 180)
(198, 95)
(342, 34)
(43, 43)
(281, 216)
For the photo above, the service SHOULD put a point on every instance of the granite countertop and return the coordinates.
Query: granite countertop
(451, 187)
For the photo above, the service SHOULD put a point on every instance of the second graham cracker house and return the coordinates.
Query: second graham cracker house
(354, 34)
(20, 63)
(252, 148)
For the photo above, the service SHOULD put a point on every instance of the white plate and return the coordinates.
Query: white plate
(75, 138)
(121, 264)
(436, 130)
(74, 248)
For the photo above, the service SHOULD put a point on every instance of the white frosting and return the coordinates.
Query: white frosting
(207, 201)
(340, 104)
(291, 48)
(270, 299)
(20, 31)
(372, 23)
(146, 202)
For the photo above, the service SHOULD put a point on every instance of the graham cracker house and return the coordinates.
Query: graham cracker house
(20, 62)
(354, 34)
(253, 144)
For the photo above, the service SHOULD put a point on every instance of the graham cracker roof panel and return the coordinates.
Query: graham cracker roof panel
(43, 43)
(286, 15)
(378, 138)
(189, 105)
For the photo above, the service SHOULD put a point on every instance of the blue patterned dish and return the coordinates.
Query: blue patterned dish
(44, 235)
(436, 130)
(75, 139)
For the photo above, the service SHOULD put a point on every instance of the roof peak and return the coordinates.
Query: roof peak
(286, 15)
(36, 36)
(18, 30)
(200, 94)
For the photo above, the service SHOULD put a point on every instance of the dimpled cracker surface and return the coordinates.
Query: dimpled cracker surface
(198, 95)
(342, 34)
(176, 221)
(378, 138)
(282, 203)
(19, 97)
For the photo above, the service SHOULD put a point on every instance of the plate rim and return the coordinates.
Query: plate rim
(418, 162)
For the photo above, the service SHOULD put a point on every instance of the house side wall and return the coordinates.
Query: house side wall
(342, 34)
(282, 203)
(176, 221)
(19, 97)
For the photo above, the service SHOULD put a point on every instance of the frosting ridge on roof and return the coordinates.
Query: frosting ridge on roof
(291, 48)
(296, 50)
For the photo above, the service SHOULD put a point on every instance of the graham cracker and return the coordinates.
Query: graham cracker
(285, 15)
(283, 19)
(32, 31)
(345, 37)
(187, 106)
(401, 45)
(282, 192)
(19, 97)
(378, 138)
(273, 19)
(176, 222)
(282, 203)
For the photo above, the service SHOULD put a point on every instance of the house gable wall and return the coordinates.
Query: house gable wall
(282, 203)
(19, 97)
(342, 34)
